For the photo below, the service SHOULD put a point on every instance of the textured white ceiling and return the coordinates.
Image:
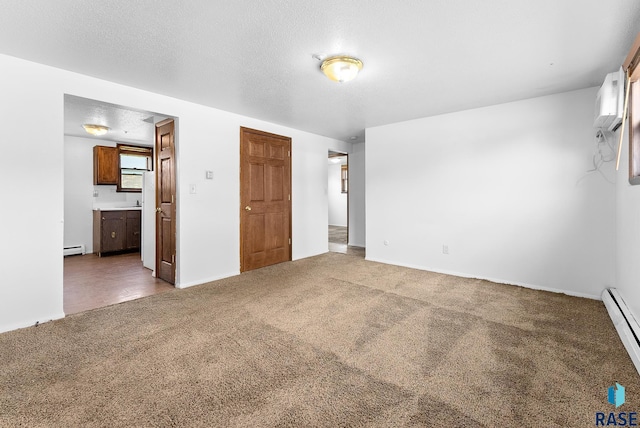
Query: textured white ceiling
(126, 125)
(421, 58)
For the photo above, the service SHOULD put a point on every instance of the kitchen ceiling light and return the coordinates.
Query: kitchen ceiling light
(341, 68)
(96, 130)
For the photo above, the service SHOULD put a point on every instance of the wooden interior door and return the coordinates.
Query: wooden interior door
(265, 199)
(165, 201)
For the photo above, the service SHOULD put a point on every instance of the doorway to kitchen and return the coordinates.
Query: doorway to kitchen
(109, 204)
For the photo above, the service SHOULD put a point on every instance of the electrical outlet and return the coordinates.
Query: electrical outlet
(445, 249)
(95, 194)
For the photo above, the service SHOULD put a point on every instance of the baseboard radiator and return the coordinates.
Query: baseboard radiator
(625, 323)
(73, 250)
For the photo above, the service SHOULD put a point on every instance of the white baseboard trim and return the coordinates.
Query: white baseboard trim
(496, 280)
(306, 256)
(31, 323)
(625, 323)
(205, 280)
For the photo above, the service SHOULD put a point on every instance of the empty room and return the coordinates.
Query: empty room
(173, 254)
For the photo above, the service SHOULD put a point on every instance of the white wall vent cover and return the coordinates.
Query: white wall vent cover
(74, 249)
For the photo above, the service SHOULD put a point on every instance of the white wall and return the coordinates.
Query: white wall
(357, 208)
(208, 221)
(31, 253)
(337, 199)
(78, 191)
(500, 187)
(627, 233)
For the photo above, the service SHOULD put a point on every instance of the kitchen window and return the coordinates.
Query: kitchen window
(134, 161)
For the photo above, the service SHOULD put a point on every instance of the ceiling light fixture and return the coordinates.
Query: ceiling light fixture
(341, 68)
(95, 130)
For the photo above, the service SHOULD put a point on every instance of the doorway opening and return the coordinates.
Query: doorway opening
(338, 201)
(117, 264)
(338, 198)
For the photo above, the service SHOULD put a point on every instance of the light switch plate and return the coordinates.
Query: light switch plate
(209, 175)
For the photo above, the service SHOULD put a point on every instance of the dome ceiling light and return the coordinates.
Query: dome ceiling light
(341, 68)
(96, 130)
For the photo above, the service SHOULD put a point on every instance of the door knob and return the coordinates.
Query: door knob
(158, 210)
(247, 208)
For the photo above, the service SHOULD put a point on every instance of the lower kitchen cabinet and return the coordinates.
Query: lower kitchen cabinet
(132, 230)
(116, 231)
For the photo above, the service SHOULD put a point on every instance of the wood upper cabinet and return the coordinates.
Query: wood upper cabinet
(105, 165)
(116, 231)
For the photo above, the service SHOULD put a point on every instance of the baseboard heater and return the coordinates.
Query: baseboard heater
(73, 250)
(625, 323)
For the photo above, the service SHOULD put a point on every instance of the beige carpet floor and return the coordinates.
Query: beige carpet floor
(331, 341)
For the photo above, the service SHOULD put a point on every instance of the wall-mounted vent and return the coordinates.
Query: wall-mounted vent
(626, 325)
(73, 250)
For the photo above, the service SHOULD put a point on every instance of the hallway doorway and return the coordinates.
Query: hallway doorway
(338, 204)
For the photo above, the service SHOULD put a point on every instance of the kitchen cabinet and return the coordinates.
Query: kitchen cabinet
(132, 232)
(105, 165)
(116, 230)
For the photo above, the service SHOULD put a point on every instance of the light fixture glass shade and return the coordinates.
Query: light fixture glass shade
(96, 130)
(341, 68)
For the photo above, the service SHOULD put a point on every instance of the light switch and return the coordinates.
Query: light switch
(192, 189)
(209, 175)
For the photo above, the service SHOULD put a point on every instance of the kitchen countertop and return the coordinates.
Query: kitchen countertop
(119, 209)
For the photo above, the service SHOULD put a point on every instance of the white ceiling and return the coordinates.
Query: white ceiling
(421, 58)
(125, 124)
